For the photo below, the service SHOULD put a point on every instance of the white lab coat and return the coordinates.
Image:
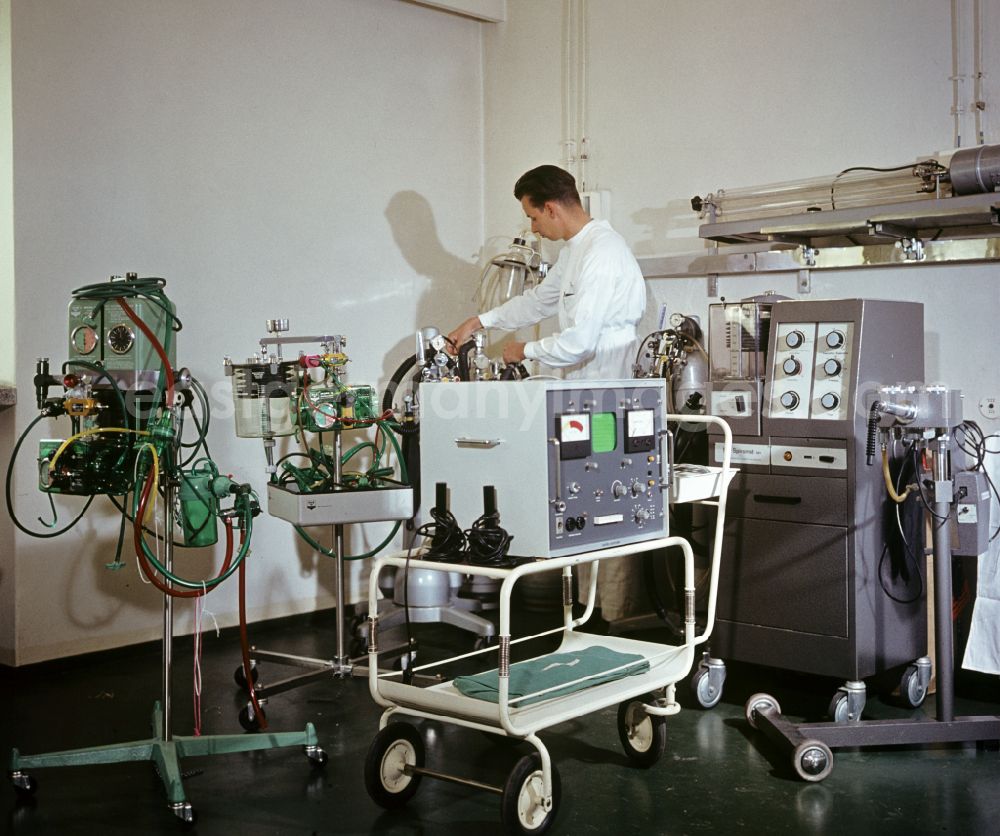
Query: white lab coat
(597, 290)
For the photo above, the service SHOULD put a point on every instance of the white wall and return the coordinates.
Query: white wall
(319, 160)
(685, 98)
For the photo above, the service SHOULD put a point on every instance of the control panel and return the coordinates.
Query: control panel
(575, 466)
(811, 370)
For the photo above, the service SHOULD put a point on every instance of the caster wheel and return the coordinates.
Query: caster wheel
(911, 692)
(25, 786)
(484, 641)
(812, 760)
(759, 703)
(389, 776)
(837, 710)
(185, 812)
(643, 736)
(707, 693)
(239, 676)
(317, 757)
(522, 805)
(250, 719)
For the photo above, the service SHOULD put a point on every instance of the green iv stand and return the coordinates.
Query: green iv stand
(164, 748)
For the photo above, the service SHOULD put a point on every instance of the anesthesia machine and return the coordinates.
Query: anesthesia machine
(819, 573)
(126, 401)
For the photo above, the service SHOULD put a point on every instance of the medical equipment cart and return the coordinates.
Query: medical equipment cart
(645, 691)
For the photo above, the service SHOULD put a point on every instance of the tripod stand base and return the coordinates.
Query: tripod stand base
(165, 754)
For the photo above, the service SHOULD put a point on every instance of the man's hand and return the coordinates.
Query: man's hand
(513, 352)
(460, 336)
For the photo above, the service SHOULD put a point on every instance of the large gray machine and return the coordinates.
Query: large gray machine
(810, 580)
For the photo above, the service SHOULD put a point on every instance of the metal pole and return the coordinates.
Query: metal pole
(168, 600)
(341, 659)
(943, 635)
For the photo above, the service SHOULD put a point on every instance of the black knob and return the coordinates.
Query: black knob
(789, 400)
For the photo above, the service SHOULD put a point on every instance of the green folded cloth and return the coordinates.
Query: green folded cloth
(552, 670)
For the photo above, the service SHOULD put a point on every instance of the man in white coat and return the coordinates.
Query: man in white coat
(595, 287)
(597, 290)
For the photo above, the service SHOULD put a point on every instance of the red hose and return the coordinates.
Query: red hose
(157, 347)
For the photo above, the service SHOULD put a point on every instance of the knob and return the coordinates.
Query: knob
(791, 366)
(641, 515)
(835, 339)
(789, 400)
(829, 401)
(793, 339)
(638, 488)
(276, 325)
(618, 490)
(832, 367)
(574, 487)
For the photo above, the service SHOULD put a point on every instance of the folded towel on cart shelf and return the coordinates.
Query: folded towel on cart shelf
(574, 671)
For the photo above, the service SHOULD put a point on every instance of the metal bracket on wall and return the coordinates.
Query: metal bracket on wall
(713, 284)
(804, 284)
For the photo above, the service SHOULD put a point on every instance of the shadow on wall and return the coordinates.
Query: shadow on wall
(450, 280)
(449, 285)
(660, 222)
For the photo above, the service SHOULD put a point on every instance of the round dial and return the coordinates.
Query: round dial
(832, 367)
(789, 400)
(835, 339)
(83, 339)
(829, 401)
(793, 339)
(120, 339)
(791, 366)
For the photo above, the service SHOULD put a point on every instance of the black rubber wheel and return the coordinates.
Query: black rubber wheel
(250, 719)
(707, 695)
(643, 736)
(25, 787)
(240, 678)
(522, 808)
(317, 757)
(911, 693)
(396, 747)
(837, 710)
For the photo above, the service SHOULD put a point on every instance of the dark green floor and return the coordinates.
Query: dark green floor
(717, 776)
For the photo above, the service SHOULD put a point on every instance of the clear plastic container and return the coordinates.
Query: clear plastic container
(262, 397)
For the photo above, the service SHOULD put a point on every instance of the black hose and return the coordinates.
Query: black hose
(396, 380)
(10, 502)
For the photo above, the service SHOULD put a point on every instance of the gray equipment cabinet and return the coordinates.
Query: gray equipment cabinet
(800, 586)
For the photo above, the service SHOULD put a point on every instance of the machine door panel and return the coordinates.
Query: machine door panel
(785, 575)
(817, 500)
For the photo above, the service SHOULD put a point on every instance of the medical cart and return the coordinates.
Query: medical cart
(643, 685)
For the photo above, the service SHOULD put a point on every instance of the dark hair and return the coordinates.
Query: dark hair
(545, 183)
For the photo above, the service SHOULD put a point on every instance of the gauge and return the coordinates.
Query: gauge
(120, 339)
(83, 339)
(677, 320)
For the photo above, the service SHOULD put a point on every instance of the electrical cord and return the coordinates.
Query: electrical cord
(488, 543)
(448, 540)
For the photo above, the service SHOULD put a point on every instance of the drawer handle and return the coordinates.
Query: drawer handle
(777, 500)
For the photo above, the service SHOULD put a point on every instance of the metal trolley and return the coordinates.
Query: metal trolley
(530, 796)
